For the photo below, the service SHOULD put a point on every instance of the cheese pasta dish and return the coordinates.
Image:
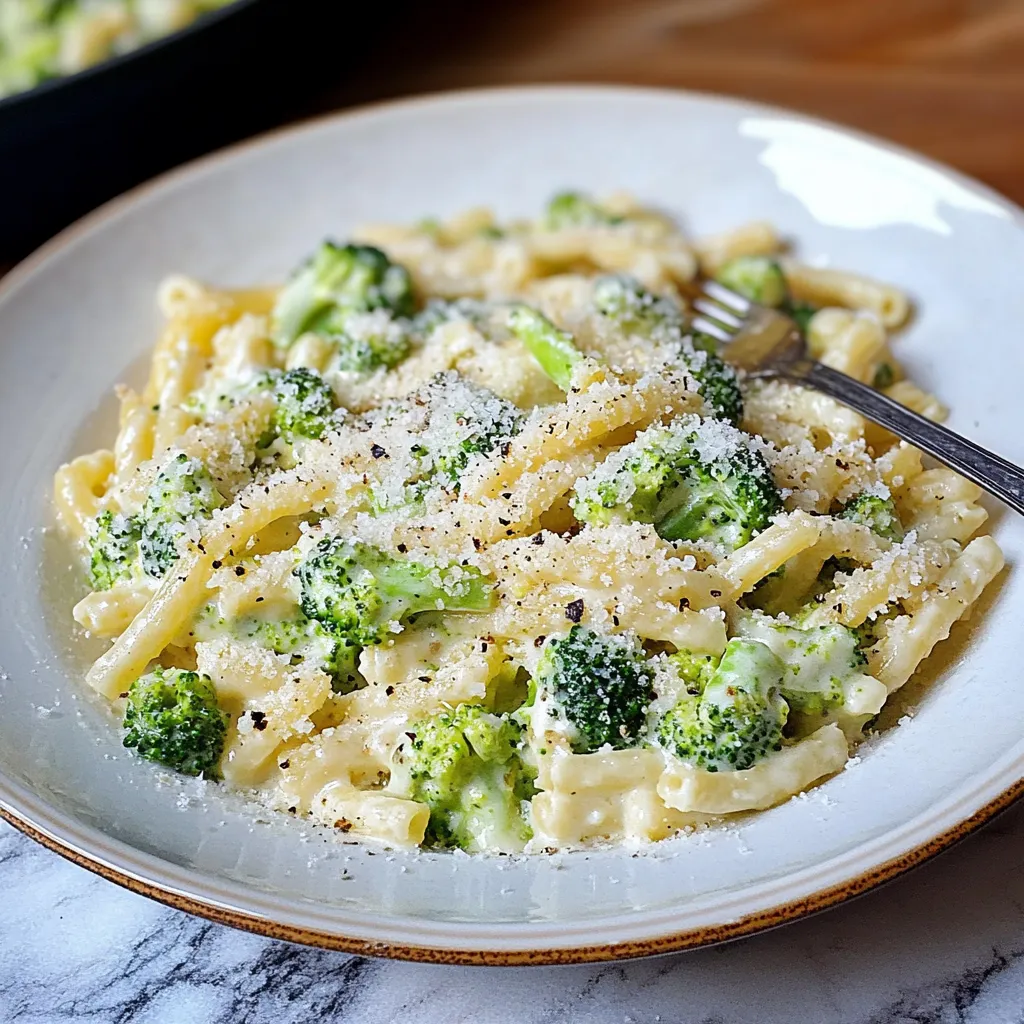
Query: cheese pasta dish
(43, 39)
(464, 538)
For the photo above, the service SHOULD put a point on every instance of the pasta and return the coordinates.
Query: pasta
(39, 41)
(463, 538)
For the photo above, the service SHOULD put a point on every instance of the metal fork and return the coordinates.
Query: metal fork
(768, 344)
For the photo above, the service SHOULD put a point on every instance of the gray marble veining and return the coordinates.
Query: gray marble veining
(942, 946)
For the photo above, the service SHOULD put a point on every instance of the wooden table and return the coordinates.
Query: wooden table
(942, 76)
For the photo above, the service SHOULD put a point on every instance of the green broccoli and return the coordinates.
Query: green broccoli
(464, 764)
(877, 513)
(738, 717)
(453, 421)
(824, 677)
(871, 630)
(693, 480)
(717, 384)
(597, 685)
(184, 492)
(481, 428)
(758, 278)
(305, 404)
(364, 342)
(801, 313)
(624, 300)
(885, 376)
(337, 281)
(694, 670)
(576, 210)
(113, 549)
(762, 280)
(305, 639)
(172, 718)
(626, 303)
(554, 349)
(360, 594)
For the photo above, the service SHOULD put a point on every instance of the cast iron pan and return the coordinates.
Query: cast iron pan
(74, 142)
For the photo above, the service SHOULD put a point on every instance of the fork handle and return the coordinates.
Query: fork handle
(988, 470)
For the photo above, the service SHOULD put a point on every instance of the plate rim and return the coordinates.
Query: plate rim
(44, 829)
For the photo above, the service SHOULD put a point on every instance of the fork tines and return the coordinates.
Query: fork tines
(724, 311)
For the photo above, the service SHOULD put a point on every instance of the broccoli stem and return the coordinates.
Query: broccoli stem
(554, 349)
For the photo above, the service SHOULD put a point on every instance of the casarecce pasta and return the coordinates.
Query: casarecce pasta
(463, 538)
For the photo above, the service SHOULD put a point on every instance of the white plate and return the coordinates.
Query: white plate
(80, 316)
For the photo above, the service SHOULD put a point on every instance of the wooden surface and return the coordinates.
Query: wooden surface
(943, 77)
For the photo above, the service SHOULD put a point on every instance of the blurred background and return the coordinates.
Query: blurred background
(945, 77)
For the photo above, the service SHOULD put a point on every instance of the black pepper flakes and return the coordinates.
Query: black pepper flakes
(574, 610)
(538, 539)
(539, 640)
(402, 548)
(377, 452)
(389, 690)
(239, 570)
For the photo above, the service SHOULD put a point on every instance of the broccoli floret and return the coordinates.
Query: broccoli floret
(694, 670)
(624, 300)
(483, 428)
(801, 313)
(340, 280)
(554, 349)
(364, 342)
(762, 280)
(305, 402)
(737, 719)
(718, 386)
(359, 594)
(464, 764)
(597, 686)
(183, 492)
(304, 640)
(871, 630)
(575, 210)
(113, 549)
(693, 480)
(626, 303)
(172, 718)
(885, 375)
(878, 514)
(451, 421)
(824, 675)
(758, 278)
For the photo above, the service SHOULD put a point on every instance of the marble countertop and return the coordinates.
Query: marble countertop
(944, 945)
